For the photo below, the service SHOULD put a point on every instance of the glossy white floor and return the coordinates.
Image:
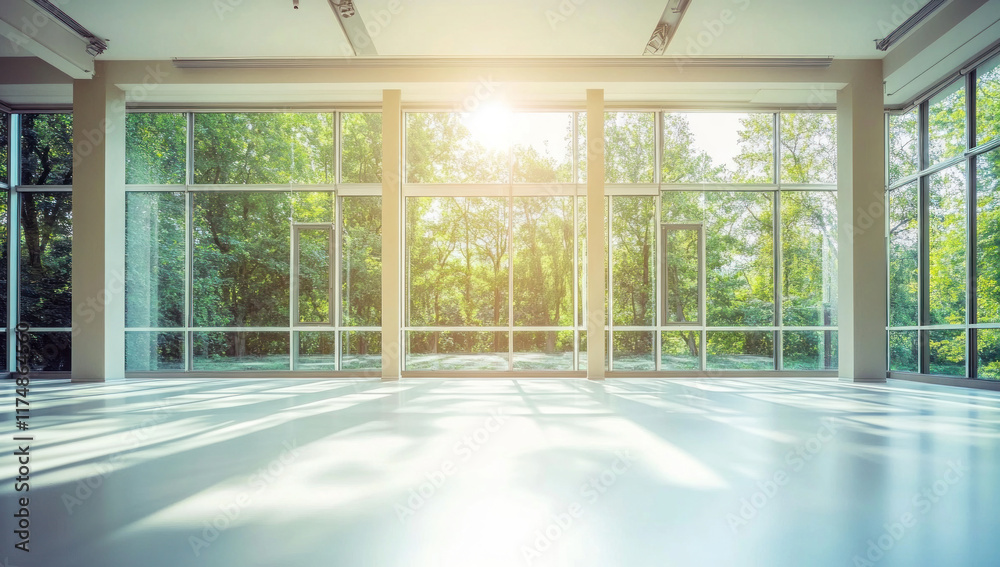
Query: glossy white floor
(478, 473)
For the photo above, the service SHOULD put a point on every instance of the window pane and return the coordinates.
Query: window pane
(457, 267)
(947, 225)
(629, 146)
(46, 149)
(904, 355)
(361, 350)
(809, 148)
(740, 258)
(988, 236)
(241, 259)
(680, 258)
(314, 206)
(149, 351)
(243, 351)
(947, 353)
(4, 146)
(989, 354)
(313, 252)
(361, 147)
(988, 101)
(904, 254)
(718, 147)
(809, 350)
(680, 350)
(252, 148)
(361, 261)
(809, 258)
(46, 259)
(50, 351)
(543, 261)
(633, 350)
(740, 350)
(739, 251)
(447, 147)
(633, 234)
(460, 350)
(154, 259)
(682, 207)
(317, 351)
(543, 147)
(155, 148)
(903, 144)
(543, 350)
(946, 121)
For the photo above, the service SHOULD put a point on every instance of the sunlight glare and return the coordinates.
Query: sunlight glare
(492, 125)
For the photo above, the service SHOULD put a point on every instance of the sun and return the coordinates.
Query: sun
(491, 125)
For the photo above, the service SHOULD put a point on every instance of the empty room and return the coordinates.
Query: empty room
(483, 283)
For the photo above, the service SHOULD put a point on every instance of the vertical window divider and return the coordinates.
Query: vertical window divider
(13, 235)
(658, 300)
(923, 223)
(778, 339)
(972, 232)
(610, 298)
(335, 274)
(189, 245)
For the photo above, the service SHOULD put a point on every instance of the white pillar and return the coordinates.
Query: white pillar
(392, 257)
(861, 218)
(595, 235)
(98, 229)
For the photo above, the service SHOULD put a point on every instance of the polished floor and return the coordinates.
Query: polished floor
(482, 473)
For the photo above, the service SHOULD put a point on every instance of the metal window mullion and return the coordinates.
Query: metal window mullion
(13, 237)
(576, 281)
(336, 278)
(609, 264)
(776, 271)
(338, 144)
(923, 262)
(659, 292)
(972, 230)
(510, 278)
(189, 277)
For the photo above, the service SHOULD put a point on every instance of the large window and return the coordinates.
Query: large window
(943, 231)
(42, 199)
(258, 250)
(717, 260)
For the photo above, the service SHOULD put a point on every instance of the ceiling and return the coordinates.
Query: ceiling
(591, 29)
(272, 28)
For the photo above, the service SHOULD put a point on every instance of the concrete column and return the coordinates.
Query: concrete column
(861, 219)
(595, 235)
(392, 249)
(98, 229)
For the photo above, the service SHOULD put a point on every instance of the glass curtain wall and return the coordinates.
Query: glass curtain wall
(253, 241)
(943, 230)
(36, 230)
(721, 241)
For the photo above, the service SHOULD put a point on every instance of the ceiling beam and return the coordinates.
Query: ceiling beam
(37, 32)
(354, 27)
